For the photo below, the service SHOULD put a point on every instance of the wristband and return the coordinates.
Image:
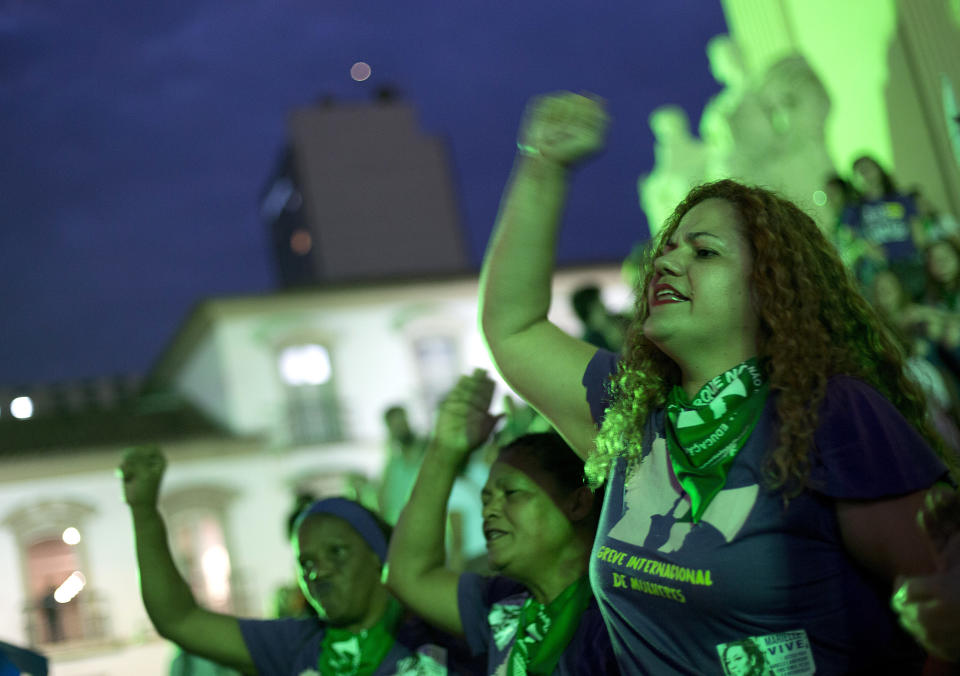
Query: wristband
(528, 150)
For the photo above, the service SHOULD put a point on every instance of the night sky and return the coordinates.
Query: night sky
(135, 139)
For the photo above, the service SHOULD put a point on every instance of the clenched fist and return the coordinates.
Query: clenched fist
(563, 127)
(463, 418)
(142, 470)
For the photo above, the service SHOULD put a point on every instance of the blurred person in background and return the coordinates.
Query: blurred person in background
(404, 454)
(920, 331)
(942, 275)
(600, 326)
(934, 224)
(887, 218)
(842, 200)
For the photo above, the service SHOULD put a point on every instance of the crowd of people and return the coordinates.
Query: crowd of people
(905, 256)
(753, 476)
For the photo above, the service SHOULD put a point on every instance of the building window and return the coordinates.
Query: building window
(313, 412)
(200, 552)
(55, 587)
(199, 543)
(438, 367)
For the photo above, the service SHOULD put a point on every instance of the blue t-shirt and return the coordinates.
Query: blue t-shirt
(886, 222)
(752, 576)
(490, 610)
(14, 659)
(291, 647)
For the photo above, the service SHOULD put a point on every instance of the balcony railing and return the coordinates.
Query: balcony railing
(82, 619)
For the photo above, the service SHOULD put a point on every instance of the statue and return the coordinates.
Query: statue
(679, 164)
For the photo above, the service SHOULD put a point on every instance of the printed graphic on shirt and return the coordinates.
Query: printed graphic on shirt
(656, 513)
(656, 516)
(430, 660)
(346, 654)
(784, 654)
(504, 620)
(885, 222)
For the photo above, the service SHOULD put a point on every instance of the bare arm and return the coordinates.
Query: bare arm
(883, 536)
(417, 571)
(929, 605)
(166, 596)
(538, 360)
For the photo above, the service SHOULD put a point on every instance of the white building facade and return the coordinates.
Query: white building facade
(292, 388)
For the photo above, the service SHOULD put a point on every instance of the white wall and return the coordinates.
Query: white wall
(368, 333)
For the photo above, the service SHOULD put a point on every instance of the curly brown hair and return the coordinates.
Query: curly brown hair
(813, 324)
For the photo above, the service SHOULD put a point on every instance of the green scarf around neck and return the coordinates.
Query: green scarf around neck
(544, 631)
(704, 435)
(345, 653)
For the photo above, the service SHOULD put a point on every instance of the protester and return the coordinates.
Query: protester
(942, 273)
(841, 205)
(340, 548)
(404, 455)
(538, 614)
(920, 329)
(600, 326)
(887, 218)
(761, 481)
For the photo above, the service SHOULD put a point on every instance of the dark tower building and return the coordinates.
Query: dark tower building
(360, 193)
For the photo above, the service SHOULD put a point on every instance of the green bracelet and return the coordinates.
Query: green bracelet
(528, 151)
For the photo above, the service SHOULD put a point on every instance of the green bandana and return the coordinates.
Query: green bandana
(344, 653)
(705, 435)
(544, 631)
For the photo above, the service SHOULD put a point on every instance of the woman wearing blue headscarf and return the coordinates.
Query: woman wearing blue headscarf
(340, 549)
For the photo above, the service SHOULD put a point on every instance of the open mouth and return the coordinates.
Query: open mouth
(664, 293)
(492, 535)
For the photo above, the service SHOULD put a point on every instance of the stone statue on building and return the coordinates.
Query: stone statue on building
(768, 131)
(793, 159)
(679, 164)
(731, 114)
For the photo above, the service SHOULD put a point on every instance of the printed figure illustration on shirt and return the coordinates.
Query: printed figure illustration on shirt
(429, 660)
(785, 653)
(346, 654)
(504, 620)
(656, 512)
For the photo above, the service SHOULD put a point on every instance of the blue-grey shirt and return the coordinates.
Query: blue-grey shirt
(755, 580)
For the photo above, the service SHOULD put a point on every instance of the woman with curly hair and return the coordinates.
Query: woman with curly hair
(764, 454)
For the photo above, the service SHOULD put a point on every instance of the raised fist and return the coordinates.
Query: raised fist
(563, 127)
(463, 418)
(142, 470)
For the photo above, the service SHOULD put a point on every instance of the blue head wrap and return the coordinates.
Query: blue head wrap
(354, 514)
